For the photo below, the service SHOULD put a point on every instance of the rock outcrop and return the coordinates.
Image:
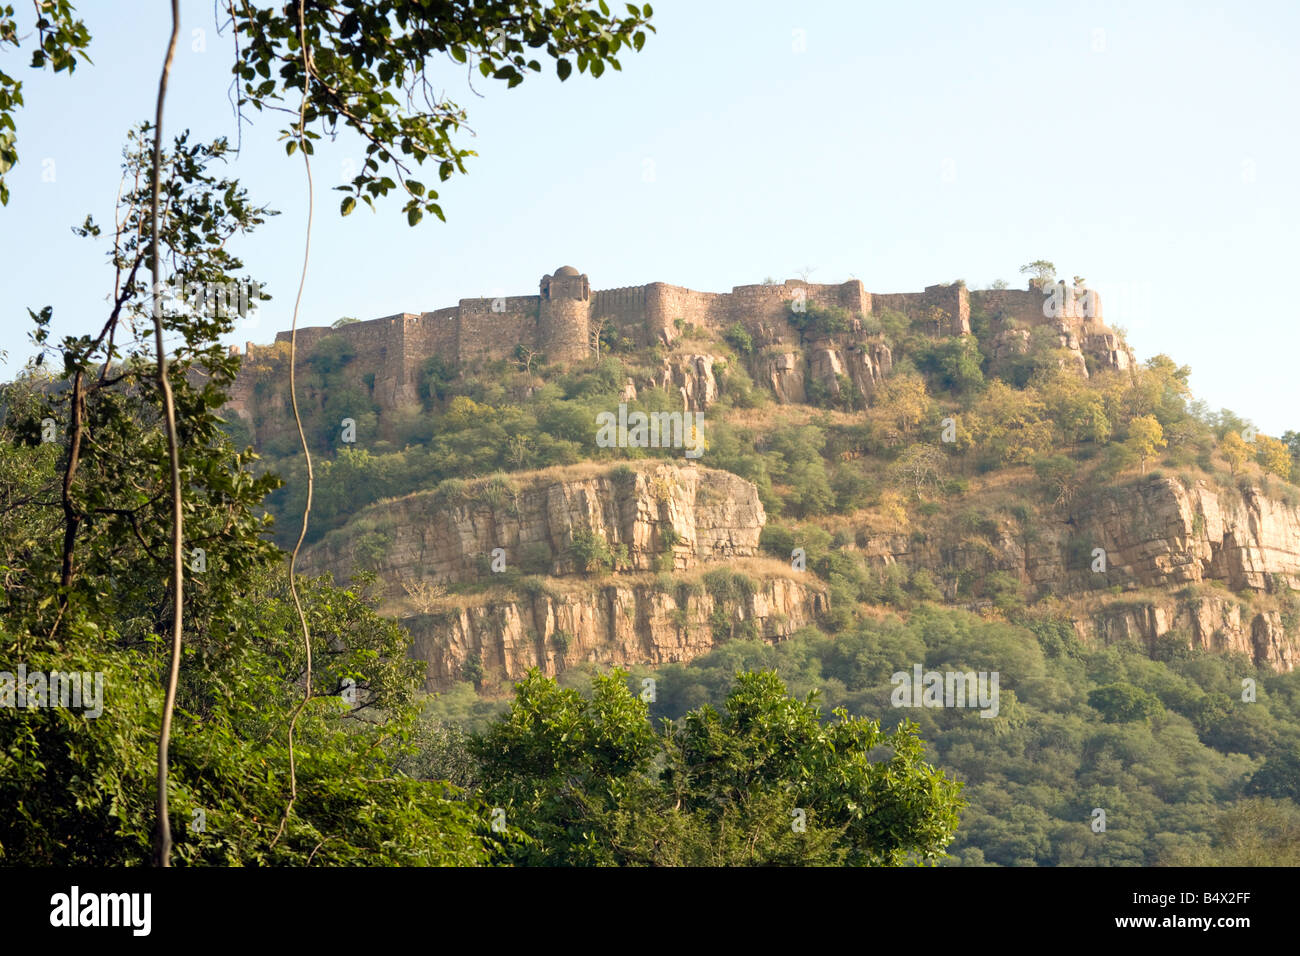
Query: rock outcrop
(863, 364)
(687, 514)
(624, 623)
(1159, 533)
(1218, 623)
(1154, 533)
(654, 517)
(784, 373)
(691, 376)
(828, 363)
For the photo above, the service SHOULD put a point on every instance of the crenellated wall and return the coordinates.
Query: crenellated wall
(557, 323)
(948, 306)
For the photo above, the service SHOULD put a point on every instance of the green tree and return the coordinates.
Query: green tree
(395, 42)
(1279, 777)
(1273, 456)
(901, 404)
(1122, 702)
(1234, 450)
(762, 781)
(591, 551)
(1145, 437)
(60, 39)
(954, 364)
(1007, 425)
(566, 769)
(738, 337)
(1041, 273)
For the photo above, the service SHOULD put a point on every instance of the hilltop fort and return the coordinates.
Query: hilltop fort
(558, 324)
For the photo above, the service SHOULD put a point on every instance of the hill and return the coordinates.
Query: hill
(999, 451)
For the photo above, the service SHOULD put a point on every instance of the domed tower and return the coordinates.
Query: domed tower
(564, 318)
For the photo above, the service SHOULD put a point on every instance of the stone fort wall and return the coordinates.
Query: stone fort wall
(556, 322)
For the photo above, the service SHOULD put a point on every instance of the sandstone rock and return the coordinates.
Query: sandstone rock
(1156, 534)
(1209, 622)
(692, 377)
(711, 515)
(619, 624)
(784, 373)
(864, 364)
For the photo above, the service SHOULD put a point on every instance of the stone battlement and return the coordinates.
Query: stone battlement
(557, 323)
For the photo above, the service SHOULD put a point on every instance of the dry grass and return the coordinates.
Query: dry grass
(761, 569)
(545, 477)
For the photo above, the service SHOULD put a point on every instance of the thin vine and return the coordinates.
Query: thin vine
(163, 847)
(302, 437)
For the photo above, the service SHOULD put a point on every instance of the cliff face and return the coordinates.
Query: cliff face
(1218, 623)
(1214, 559)
(1154, 534)
(622, 624)
(830, 363)
(1165, 534)
(692, 377)
(688, 515)
(653, 518)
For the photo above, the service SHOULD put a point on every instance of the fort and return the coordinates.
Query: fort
(557, 323)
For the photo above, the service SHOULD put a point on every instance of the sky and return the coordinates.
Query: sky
(1145, 147)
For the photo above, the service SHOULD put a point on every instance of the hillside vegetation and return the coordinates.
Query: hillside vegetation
(899, 501)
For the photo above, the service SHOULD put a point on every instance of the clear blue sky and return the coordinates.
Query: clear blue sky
(1150, 147)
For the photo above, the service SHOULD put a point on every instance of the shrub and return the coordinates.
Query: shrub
(727, 585)
(1004, 589)
(533, 586)
(923, 586)
(739, 339)
(472, 670)
(331, 354)
(495, 491)
(817, 320)
(591, 551)
(1122, 703)
(777, 541)
(371, 548)
(720, 624)
(687, 590)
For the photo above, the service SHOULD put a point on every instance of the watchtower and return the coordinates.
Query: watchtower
(564, 315)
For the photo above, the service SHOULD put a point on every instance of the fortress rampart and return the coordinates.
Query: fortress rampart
(558, 322)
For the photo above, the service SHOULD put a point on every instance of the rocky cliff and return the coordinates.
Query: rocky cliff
(528, 543)
(559, 567)
(654, 517)
(1154, 534)
(626, 622)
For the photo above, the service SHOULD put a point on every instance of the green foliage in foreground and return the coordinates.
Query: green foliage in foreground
(761, 781)
(1184, 768)
(80, 790)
